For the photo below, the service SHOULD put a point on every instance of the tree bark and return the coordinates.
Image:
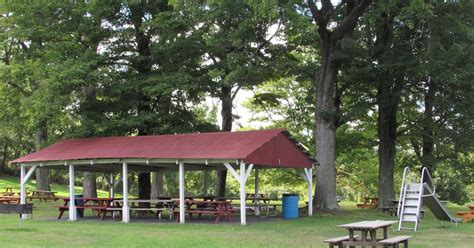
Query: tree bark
(389, 86)
(89, 185)
(143, 66)
(387, 135)
(325, 191)
(4, 156)
(325, 80)
(427, 159)
(226, 114)
(157, 189)
(42, 174)
(144, 186)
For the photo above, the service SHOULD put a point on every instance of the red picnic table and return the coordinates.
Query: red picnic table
(217, 208)
(97, 204)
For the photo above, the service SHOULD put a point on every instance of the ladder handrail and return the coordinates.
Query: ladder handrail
(402, 188)
(431, 184)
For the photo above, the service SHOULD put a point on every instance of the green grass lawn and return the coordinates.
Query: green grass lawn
(304, 232)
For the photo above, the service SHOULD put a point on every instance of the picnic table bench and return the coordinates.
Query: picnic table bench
(217, 208)
(338, 241)
(395, 241)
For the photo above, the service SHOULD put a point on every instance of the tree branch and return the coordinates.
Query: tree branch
(349, 23)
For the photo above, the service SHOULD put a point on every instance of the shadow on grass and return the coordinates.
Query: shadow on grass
(20, 229)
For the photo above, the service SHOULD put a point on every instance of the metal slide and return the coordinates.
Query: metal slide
(438, 209)
(413, 194)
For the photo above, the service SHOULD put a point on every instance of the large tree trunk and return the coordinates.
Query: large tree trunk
(89, 108)
(42, 174)
(387, 134)
(144, 186)
(427, 159)
(226, 114)
(325, 80)
(4, 156)
(157, 184)
(89, 185)
(325, 191)
(143, 66)
(388, 95)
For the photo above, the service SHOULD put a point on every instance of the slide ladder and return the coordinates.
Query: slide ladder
(412, 195)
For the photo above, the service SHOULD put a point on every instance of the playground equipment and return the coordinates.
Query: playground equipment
(412, 196)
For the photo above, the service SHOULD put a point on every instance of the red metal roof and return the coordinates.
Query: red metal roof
(261, 147)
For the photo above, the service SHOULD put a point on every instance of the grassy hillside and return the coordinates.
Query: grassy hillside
(63, 190)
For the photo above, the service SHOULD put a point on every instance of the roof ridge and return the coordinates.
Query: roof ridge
(177, 134)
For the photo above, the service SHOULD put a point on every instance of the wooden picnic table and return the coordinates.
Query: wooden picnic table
(467, 215)
(97, 204)
(393, 209)
(8, 189)
(369, 202)
(158, 205)
(7, 193)
(366, 227)
(262, 205)
(9, 199)
(44, 195)
(217, 208)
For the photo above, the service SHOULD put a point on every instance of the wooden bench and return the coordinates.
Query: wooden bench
(466, 216)
(337, 241)
(213, 212)
(395, 241)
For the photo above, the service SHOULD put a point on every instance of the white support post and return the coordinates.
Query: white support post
(125, 207)
(72, 198)
(181, 193)
(206, 182)
(22, 185)
(112, 185)
(242, 179)
(22, 188)
(309, 176)
(243, 210)
(257, 209)
(23, 179)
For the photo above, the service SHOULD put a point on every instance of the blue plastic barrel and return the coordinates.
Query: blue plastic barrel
(290, 206)
(78, 201)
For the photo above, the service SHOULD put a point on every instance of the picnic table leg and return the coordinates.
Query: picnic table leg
(61, 212)
(176, 214)
(385, 233)
(363, 234)
(217, 219)
(351, 237)
(373, 235)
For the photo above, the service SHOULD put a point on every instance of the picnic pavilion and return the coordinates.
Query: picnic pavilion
(239, 152)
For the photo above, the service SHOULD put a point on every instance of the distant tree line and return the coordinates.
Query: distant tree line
(367, 86)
